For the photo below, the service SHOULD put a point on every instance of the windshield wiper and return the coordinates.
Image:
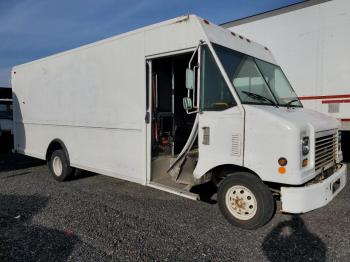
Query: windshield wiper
(291, 101)
(259, 97)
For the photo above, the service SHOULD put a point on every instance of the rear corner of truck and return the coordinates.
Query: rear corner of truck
(18, 129)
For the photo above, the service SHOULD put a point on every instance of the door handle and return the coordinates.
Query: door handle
(147, 117)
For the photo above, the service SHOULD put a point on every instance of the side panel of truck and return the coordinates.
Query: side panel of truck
(312, 46)
(86, 99)
(93, 99)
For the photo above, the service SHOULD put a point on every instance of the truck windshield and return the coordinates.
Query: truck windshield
(5, 110)
(257, 81)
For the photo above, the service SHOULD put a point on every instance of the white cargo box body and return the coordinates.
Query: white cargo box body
(93, 98)
(310, 41)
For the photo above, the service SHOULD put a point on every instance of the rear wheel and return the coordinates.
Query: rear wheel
(58, 165)
(245, 201)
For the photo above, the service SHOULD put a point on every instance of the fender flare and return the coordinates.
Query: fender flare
(62, 145)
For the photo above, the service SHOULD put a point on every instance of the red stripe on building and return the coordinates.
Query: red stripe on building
(323, 97)
(345, 119)
(335, 101)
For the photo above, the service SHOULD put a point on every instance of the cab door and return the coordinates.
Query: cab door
(221, 122)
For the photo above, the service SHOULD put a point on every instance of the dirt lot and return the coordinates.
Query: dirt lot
(98, 218)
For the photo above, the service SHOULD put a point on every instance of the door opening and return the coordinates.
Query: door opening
(171, 126)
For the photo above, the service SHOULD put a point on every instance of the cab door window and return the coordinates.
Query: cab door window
(215, 94)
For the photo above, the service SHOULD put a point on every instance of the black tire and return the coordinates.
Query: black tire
(66, 171)
(265, 203)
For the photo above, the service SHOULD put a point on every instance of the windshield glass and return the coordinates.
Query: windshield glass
(5, 110)
(257, 81)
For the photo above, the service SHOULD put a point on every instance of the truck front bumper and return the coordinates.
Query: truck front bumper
(306, 198)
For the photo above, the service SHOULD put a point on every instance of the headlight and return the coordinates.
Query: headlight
(305, 145)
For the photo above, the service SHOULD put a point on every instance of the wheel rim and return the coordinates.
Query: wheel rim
(241, 202)
(57, 166)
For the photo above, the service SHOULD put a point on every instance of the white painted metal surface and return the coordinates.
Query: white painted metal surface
(174, 191)
(271, 133)
(311, 45)
(304, 199)
(222, 126)
(93, 97)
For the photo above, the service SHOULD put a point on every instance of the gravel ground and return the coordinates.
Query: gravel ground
(98, 218)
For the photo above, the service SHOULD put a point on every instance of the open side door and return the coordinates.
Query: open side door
(221, 122)
(176, 166)
(191, 105)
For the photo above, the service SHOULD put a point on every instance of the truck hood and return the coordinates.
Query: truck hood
(298, 117)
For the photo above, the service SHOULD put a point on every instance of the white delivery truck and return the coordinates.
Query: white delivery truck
(177, 104)
(310, 41)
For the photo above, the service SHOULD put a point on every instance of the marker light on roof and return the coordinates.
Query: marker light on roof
(248, 40)
(206, 21)
(241, 37)
(232, 33)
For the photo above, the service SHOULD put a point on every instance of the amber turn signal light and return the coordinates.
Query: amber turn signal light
(305, 162)
(282, 170)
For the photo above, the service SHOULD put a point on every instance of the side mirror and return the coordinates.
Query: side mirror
(187, 103)
(190, 79)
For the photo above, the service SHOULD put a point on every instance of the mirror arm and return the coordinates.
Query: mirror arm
(192, 112)
(194, 99)
(201, 42)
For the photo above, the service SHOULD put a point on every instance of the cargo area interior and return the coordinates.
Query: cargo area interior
(171, 125)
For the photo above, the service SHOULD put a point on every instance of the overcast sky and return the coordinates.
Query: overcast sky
(31, 29)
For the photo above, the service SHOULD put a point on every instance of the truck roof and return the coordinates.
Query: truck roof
(201, 30)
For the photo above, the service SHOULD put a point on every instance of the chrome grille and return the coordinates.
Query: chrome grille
(325, 151)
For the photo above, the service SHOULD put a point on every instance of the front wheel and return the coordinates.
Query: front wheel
(245, 201)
